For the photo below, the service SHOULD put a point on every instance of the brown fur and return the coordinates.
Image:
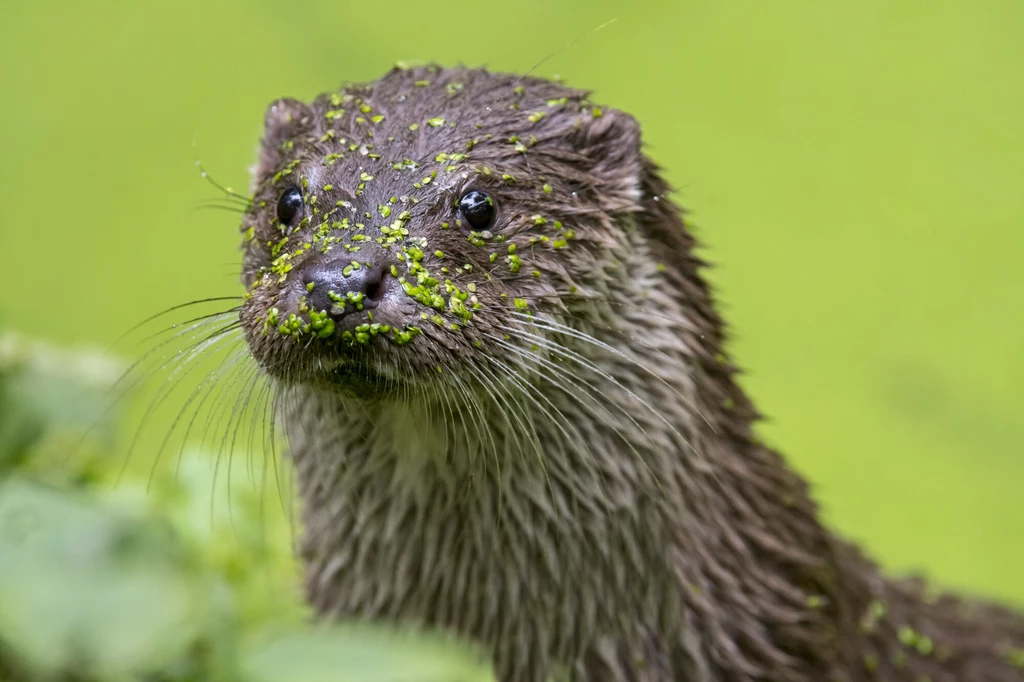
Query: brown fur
(586, 495)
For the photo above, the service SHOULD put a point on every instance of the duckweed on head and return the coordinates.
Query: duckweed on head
(350, 151)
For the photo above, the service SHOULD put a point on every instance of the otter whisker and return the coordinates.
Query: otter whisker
(552, 325)
(116, 393)
(267, 404)
(202, 322)
(526, 418)
(180, 361)
(494, 388)
(574, 379)
(228, 449)
(174, 358)
(508, 405)
(473, 406)
(445, 417)
(227, 202)
(557, 327)
(215, 390)
(274, 454)
(569, 331)
(228, 192)
(571, 302)
(444, 403)
(588, 391)
(226, 364)
(215, 299)
(230, 314)
(196, 392)
(285, 400)
(489, 385)
(222, 388)
(258, 426)
(528, 391)
(589, 364)
(227, 393)
(212, 206)
(452, 417)
(576, 357)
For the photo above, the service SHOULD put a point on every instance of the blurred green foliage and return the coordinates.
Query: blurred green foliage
(142, 581)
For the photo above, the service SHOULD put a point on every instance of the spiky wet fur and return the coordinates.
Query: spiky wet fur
(585, 496)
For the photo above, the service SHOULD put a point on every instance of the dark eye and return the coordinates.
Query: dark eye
(289, 206)
(478, 209)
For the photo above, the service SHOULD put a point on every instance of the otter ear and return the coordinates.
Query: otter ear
(610, 139)
(283, 121)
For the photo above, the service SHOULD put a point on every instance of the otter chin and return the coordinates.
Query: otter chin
(513, 416)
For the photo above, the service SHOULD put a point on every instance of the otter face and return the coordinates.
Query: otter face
(407, 229)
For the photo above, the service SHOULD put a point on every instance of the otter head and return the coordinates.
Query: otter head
(416, 229)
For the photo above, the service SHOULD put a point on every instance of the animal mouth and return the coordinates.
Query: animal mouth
(376, 289)
(361, 379)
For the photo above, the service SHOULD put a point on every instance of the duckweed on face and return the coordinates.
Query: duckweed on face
(415, 177)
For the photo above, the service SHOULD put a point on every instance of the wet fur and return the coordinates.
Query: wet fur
(586, 497)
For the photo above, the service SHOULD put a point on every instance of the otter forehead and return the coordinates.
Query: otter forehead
(428, 117)
(419, 202)
(413, 113)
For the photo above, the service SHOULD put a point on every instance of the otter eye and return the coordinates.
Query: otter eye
(289, 205)
(478, 209)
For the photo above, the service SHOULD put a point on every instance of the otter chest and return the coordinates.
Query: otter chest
(522, 565)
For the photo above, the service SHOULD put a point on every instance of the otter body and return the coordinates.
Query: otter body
(503, 382)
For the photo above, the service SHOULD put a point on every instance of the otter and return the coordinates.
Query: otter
(507, 398)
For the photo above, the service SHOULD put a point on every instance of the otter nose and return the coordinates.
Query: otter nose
(341, 287)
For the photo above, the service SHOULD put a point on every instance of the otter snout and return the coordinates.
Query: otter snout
(343, 286)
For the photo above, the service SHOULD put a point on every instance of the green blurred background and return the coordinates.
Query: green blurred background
(856, 169)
